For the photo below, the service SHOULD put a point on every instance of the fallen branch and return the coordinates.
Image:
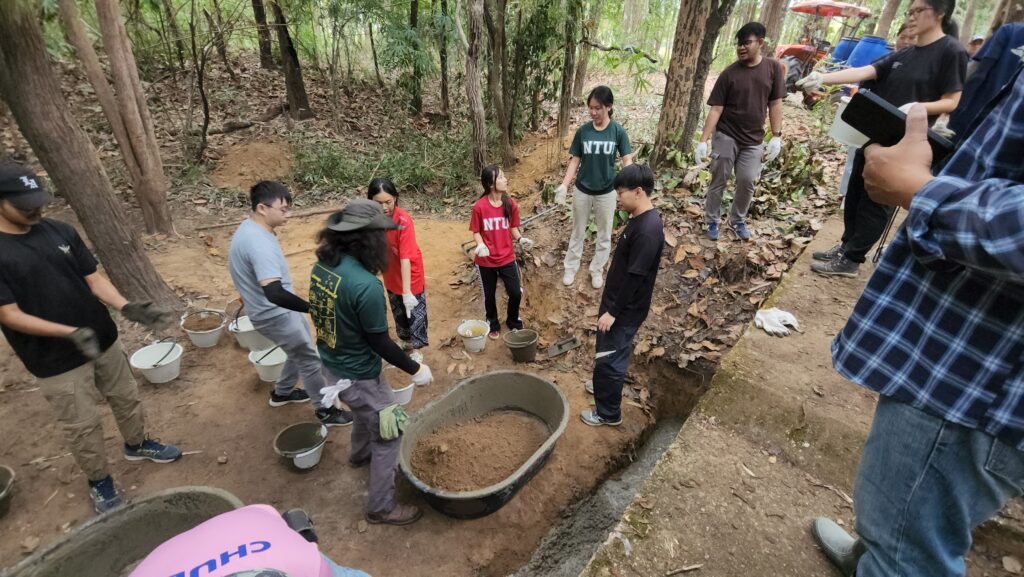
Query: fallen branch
(614, 48)
(682, 570)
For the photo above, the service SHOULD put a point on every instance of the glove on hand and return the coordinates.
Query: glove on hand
(423, 376)
(774, 321)
(482, 251)
(526, 243)
(773, 149)
(392, 421)
(410, 302)
(86, 342)
(560, 193)
(148, 314)
(810, 83)
(700, 153)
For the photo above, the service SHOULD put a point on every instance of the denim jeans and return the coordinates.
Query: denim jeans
(613, 350)
(339, 571)
(923, 484)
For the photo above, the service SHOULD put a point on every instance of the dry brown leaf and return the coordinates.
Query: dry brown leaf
(670, 240)
(657, 352)
(696, 262)
(691, 273)
(680, 255)
(451, 368)
(642, 347)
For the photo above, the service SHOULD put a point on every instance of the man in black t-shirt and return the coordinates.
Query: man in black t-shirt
(627, 293)
(52, 312)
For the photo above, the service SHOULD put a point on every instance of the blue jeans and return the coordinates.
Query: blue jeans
(339, 571)
(923, 484)
(610, 366)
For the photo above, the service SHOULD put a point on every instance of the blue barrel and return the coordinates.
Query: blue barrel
(869, 49)
(844, 48)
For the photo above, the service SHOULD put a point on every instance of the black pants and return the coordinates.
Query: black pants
(411, 330)
(489, 283)
(864, 220)
(610, 366)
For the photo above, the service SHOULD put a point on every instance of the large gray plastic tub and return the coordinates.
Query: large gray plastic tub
(107, 545)
(472, 398)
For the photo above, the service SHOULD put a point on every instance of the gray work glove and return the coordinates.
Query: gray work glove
(86, 342)
(148, 314)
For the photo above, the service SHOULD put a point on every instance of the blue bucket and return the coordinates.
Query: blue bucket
(844, 48)
(868, 49)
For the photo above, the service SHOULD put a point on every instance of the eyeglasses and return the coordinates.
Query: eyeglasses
(746, 42)
(915, 11)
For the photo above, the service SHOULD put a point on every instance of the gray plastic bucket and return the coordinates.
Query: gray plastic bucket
(523, 344)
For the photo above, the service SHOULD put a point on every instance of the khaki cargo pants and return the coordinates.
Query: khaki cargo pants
(76, 396)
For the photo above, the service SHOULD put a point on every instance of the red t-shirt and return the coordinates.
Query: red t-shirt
(496, 231)
(402, 244)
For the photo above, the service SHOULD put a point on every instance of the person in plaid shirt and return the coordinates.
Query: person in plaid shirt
(939, 334)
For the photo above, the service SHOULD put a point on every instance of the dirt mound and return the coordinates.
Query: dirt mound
(476, 454)
(200, 322)
(246, 164)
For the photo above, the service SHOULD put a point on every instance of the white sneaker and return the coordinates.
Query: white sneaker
(568, 278)
(596, 281)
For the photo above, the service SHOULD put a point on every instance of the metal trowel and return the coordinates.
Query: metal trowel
(563, 346)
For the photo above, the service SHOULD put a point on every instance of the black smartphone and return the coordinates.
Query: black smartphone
(884, 124)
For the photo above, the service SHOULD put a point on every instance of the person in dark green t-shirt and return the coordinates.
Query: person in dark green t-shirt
(349, 310)
(594, 149)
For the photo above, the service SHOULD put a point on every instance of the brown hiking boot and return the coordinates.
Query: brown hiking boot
(400, 515)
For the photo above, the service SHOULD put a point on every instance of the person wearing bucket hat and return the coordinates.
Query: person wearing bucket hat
(53, 311)
(260, 274)
(349, 311)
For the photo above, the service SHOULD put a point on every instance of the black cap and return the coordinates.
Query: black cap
(21, 187)
(359, 214)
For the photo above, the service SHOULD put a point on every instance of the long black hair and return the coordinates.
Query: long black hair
(379, 185)
(369, 247)
(489, 176)
(604, 96)
(946, 7)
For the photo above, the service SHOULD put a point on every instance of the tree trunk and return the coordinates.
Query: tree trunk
(443, 50)
(682, 72)
(263, 34)
(889, 11)
(476, 101)
(172, 25)
(591, 26)
(218, 42)
(373, 48)
(417, 91)
(772, 14)
(30, 88)
(572, 18)
(295, 88)
(717, 17)
(496, 75)
(151, 188)
(1007, 11)
(967, 29)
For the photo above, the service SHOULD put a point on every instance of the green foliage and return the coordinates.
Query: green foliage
(787, 180)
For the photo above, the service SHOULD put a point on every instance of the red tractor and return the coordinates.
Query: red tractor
(813, 46)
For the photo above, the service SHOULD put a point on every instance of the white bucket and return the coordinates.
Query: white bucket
(404, 395)
(474, 335)
(204, 339)
(169, 368)
(303, 443)
(270, 367)
(843, 132)
(247, 336)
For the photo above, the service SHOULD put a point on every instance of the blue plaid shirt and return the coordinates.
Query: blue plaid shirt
(940, 325)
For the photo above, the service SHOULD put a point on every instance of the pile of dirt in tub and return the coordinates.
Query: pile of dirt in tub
(201, 322)
(480, 452)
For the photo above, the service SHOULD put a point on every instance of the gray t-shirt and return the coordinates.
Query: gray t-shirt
(256, 255)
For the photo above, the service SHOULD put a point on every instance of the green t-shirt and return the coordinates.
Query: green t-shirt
(346, 302)
(598, 150)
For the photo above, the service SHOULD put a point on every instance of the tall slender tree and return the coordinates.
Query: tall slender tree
(590, 28)
(259, 14)
(476, 100)
(772, 14)
(417, 89)
(884, 25)
(31, 90)
(172, 26)
(295, 88)
(967, 28)
(494, 17)
(443, 55)
(717, 17)
(574, 10)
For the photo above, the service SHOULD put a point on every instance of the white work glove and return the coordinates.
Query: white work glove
(526, 243)
(700, 153)
(774, 321)
(410, 303)
(942, 129)
(482, 251)
(773, 149)
(905, 109)
(331, 393)
(811, 82)
(560, 193)
(423, 376)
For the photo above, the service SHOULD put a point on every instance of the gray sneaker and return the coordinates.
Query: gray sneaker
(841, 549)
(839, 266)
(827, 255)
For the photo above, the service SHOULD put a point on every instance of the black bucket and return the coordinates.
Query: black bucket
(523, 344)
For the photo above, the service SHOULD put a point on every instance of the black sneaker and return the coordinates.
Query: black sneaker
(839, 266)
(296, 396)
(105, 495)
(827, 255)
(152, 450)
(334, 417)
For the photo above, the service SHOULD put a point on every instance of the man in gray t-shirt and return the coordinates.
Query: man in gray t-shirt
(261, 276)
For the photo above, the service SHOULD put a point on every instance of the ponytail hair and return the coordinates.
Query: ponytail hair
(946, 7)
(488, 177)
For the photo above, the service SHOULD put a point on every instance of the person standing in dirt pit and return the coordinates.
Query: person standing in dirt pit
(53, 311)
(932, 73)
(260, 273)
(594, 149)
(938, 333)
(627, 296)
(350, 314)
(495, 226)
(745, 92)
(403, 278)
